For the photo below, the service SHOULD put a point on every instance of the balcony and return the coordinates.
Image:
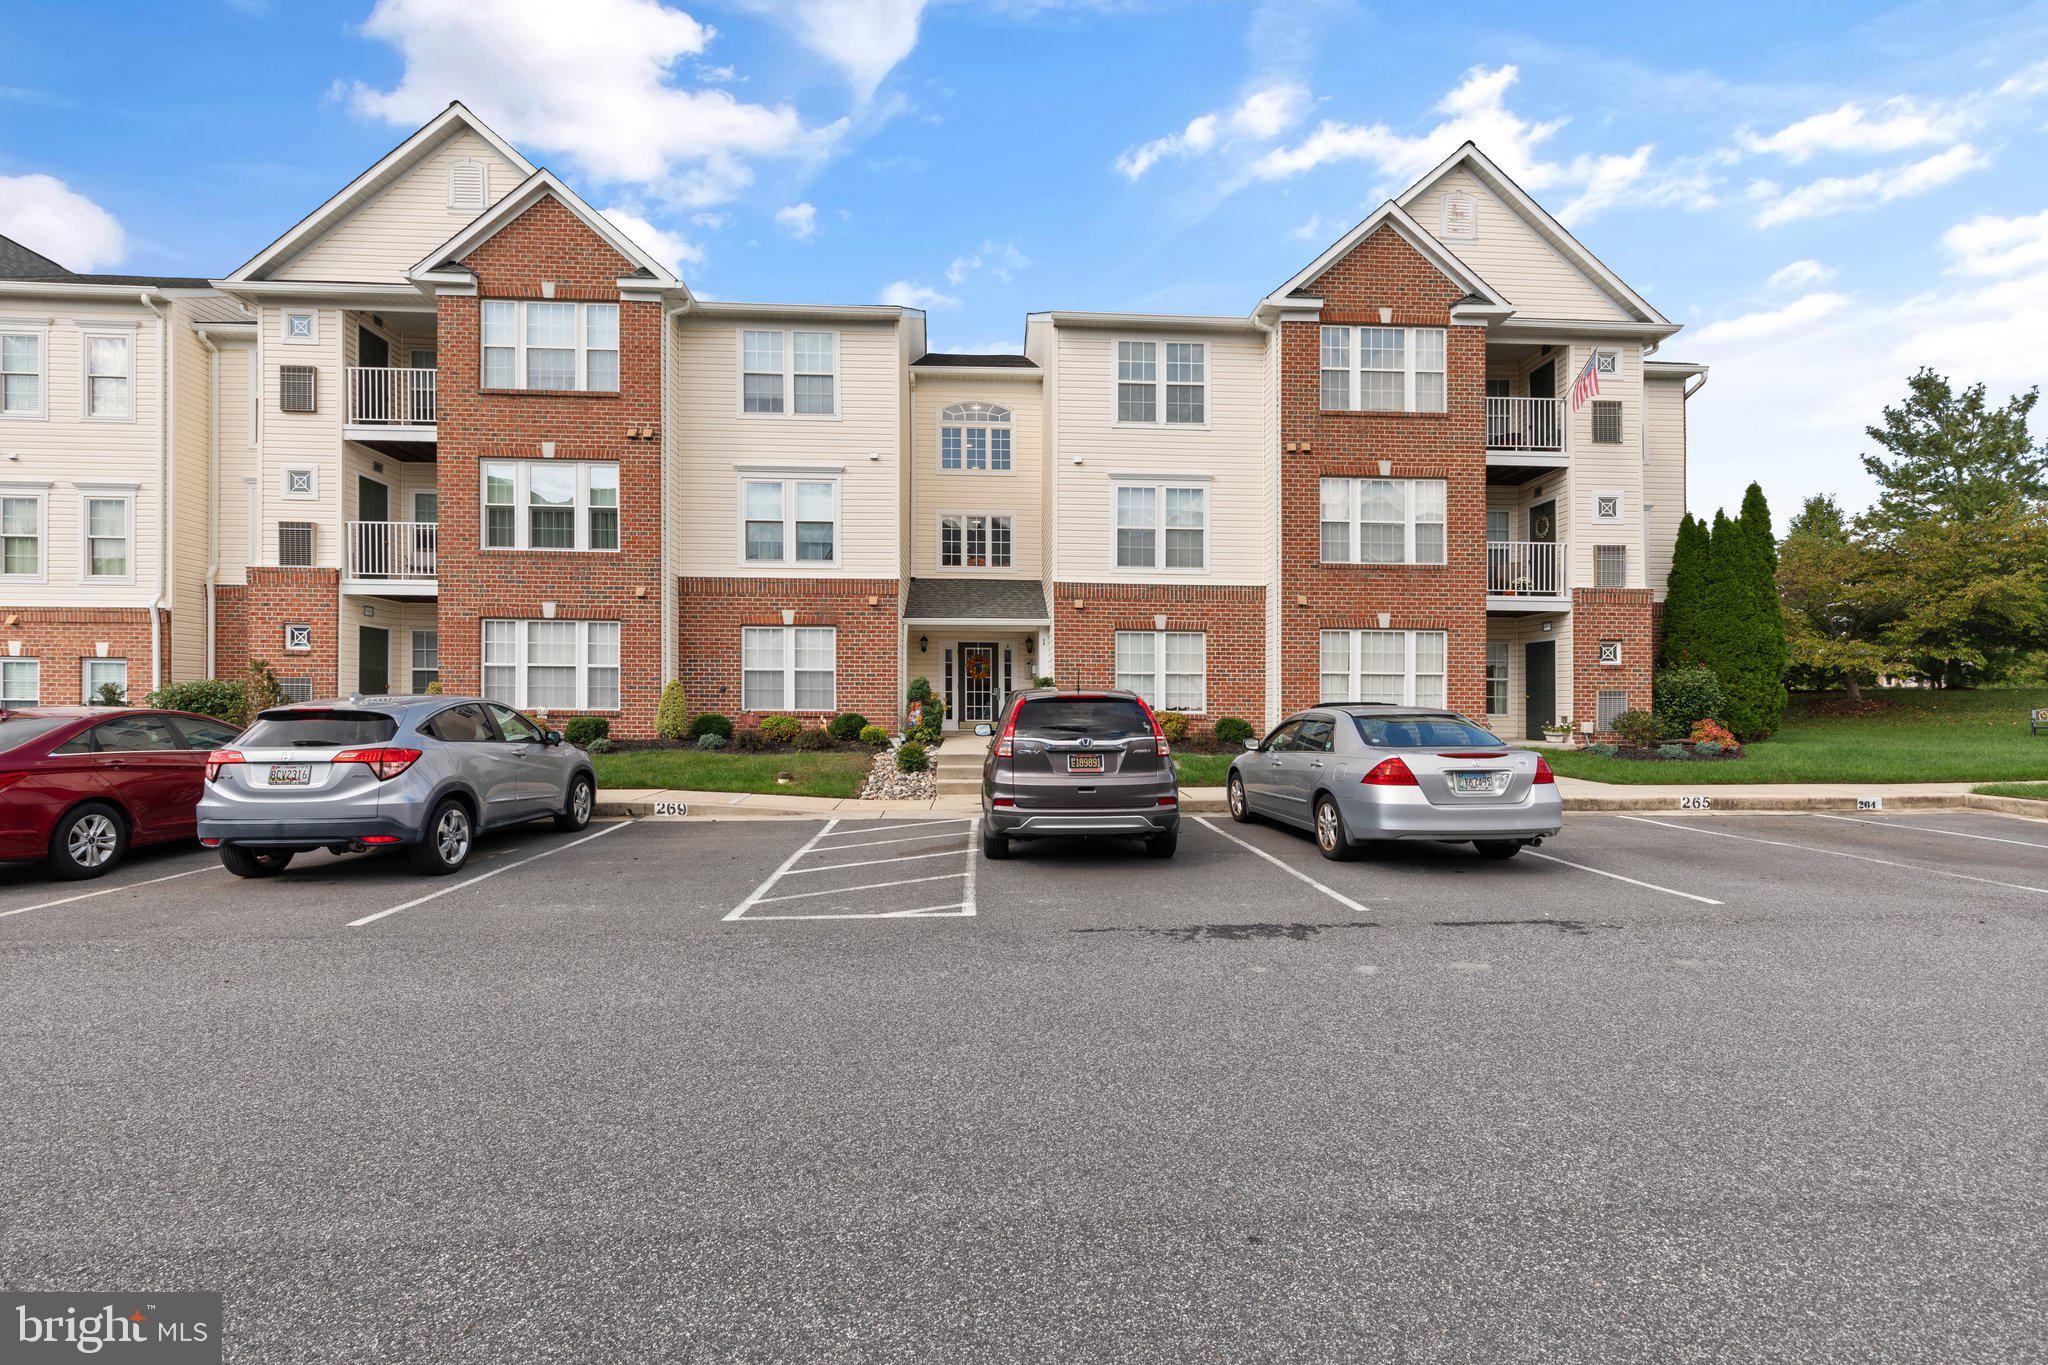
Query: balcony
(1524, 437)
(1526, 575)
(391, 559)
(392, 409)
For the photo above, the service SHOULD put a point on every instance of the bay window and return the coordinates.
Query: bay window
(557, 665)
(789, 668)
(108, 382)
(1383, 369)
(789, 372)
(531, 344)
(1161, 526)
(1382, 521)
(1168, 668)
(789, 521)
(550, 505)
(1162, 382)
(1396, 667)
(967, 541)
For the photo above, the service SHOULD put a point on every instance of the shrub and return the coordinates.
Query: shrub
(934, 722)
(808, 740)
(710, 741)
(1712, 732)
(1639, 728)
(847, 725)
(264, 692)
(434, 688)
(710, 724)
(109, 694)
(874, 736)
(1670, 751)
(228, 701)
(1173, 725)
(781, 729)
(1044, 680)
(1604, 749)
(1687, 695)
(911, 758)
(601, 745)
(581, 730)
(748, 739)
(1233, 731)
(1707, 748)
(920, 689)
(672, 712)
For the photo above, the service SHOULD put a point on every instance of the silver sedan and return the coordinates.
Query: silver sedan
(1355, 774)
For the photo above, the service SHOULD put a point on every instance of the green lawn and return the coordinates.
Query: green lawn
(1201, 770)
(2031, 791)
(1898, 736)
(837, 773)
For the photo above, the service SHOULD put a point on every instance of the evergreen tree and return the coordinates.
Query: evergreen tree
(1735, 641)
(1685, 592)
(1764, 607)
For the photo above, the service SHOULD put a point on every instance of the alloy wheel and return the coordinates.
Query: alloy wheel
(1236, 797)
(1326, 825)
(92, 839)
(451, 836)
(579, 804)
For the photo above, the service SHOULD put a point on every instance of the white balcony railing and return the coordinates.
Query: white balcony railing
(1525, 424)
(402, 551)
(379, 396)
(1524, 568)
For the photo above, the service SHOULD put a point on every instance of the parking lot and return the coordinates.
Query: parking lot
(1673, 1086)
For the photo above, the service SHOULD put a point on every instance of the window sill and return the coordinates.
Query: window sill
(787, 416)
(1386, 564)
(1381, 412)
(539, 550)
(1160, 426)
(547, 393)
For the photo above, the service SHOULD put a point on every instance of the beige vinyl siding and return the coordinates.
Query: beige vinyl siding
(191, 466)
(397, 619)
(1512, 257)
(236, 459)
(1516, 632)
(1018, 494)
(1597, 469)
(389, 234)
(303, 439)
(1664, 476)
(1228, 456)
(714, 447)
(70, 453)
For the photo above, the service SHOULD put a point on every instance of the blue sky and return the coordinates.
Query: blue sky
(1828, 195)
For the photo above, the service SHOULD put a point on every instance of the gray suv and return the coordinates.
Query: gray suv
(1085, 763)
(424, 773)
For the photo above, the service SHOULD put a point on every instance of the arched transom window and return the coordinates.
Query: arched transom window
(975, 437)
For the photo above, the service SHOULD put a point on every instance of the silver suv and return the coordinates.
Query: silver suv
(424, 773)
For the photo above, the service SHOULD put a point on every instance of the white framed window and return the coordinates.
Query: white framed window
(550, 505)
(469, 184)
(1610, 654)
(545, 345)
(22, 530)
(301, 483)
(1383, 369)
(974, 438)
(301, 328)
(105, 519)
(298, 638)
(107, 392)
(1499, 671)
(789, 668)
(788, 373)
(97, 673)
(552, 665)
(21, 682)
(21, 371)
(1162, 383)
(1398, 667)
(1383, 521)
(426, 659)
(1168, 668)
(971, 540)
(1162, 526)
(789, 520)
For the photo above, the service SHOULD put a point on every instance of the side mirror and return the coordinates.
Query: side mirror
(551, 738)
(1251, 744)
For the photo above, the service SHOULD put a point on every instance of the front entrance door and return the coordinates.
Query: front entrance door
(977, 683)
(373, 499)
(373, 660)
(1543, 522)
(372, 350)
(1539, 668)
(1543, 380)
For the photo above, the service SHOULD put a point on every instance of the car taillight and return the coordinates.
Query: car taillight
(1007, 745)
(1389, 772)
(386, 763)
(1157, 733)
(1543, 774)
(218, 759)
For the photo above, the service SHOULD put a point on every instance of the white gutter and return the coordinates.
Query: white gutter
(670, 598)
(163, 488)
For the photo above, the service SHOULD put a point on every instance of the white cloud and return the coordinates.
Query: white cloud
(1260, 116)
(671, 249)
(798, 220)
(1841, 194)
(904, 294)
(710, 219)
(589, 80)
(1799, 274)
(1991, 245)
(1802, 311)
(1317, 228)
(865, 39)
(1001, 260)
(1895, 126)
(46, 215)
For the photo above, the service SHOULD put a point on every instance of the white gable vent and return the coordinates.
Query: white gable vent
(469, 183)
(1460, 218)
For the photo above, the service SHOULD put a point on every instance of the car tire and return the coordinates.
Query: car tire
(1240, 803)
(445, 843)
(89, 841)
(582, 800)
(1333, 841)
(1163, 845)
(1497, 848)
(254, 862)
(993, 845)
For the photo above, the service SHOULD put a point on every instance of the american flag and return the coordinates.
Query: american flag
(1587, 385)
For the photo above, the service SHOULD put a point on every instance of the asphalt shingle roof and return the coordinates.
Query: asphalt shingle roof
(975, 599)
(940, 359)
(18, 262)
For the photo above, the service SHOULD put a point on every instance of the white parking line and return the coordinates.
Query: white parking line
(1839, 853)
(486, 876)
(1337, 896)
(103, 891)
(754, 897)
(961, 908)
(951, 910)
(874, 826)
(1602, 872)
(876, 843)
(1930, 829)
(871, 886)
(867, 862)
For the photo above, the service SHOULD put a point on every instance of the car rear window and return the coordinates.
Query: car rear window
(318, 729)
(1074, 717)
(19, 731)
(1423, 732)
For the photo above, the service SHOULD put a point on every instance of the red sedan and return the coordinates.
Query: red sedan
(79, 785)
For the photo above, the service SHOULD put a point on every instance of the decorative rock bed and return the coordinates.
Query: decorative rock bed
(886, 782)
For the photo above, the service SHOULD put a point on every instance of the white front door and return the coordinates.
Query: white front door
(977, 684)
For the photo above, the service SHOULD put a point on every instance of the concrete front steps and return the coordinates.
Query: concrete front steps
(956, 763)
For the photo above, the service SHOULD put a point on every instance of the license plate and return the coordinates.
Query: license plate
(1084, 763)
(1479, 784)
(290, 774)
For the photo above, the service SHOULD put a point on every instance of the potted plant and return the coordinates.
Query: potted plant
(1558, 731)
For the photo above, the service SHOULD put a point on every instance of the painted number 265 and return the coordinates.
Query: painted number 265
(1695, 803)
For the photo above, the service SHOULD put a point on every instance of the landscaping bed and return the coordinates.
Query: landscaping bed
(685, 769)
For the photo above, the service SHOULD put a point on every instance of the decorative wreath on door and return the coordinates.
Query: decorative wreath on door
(977, 667)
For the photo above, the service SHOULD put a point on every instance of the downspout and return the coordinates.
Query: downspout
(163, 489)
(212, 490)
(669, 598)
(1275, 598)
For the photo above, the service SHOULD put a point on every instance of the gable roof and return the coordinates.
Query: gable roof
(1392, 215)
(454, 119)
(1538, 218)
(18, 262)
(442, 264)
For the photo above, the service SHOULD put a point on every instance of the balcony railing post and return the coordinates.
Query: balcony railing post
(398, 550)
(1535, 424)
(388, 396)
(1524, 568)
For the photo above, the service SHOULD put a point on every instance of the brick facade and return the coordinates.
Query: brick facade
(63, 638)
(1623, 614)
(1232, 618)
(249, 622)
(864, 611)
(1383, 272)
(549, 245)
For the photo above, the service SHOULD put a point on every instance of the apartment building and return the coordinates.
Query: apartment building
(454, 426)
